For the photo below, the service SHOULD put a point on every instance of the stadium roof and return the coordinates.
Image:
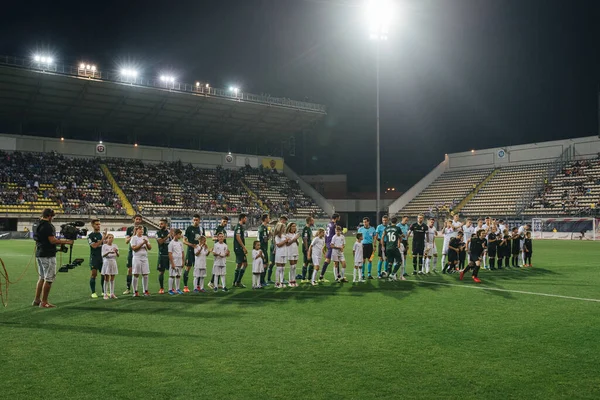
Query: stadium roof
(106, 101)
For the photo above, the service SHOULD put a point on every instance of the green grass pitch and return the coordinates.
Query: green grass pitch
(430, 337)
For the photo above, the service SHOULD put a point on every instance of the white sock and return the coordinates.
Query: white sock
(112, 287)
(280, 274)
(354, 274)
(434, 263)
(145, 282)
(105, 287)
(360, 275)
(201, 282)
(177, 282)
(336, 272)
(343, 272)
(171, 282)
(443, 259)
(293, 271)
(223, 281)
(314, 277)
(216, 281)
(522, 258)
(134, 283)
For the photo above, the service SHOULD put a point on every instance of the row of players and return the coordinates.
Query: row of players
(328, 244)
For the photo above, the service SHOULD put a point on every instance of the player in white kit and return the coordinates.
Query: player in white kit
(357, 251)
(292, 237)
(281, 253)
(431, 253)
(110, 252)
(338, 243)
(176, 262)
(468, 230)
(221, 252)
(316, 251)
(200, 252)
(449, 233)
(257, 265)
(140, 246)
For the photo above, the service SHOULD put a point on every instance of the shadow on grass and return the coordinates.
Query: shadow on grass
(96, 330)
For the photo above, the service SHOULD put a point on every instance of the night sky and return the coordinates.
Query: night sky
(455, 74)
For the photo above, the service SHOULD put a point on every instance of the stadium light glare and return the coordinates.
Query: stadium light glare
(472, 151)
(82, 66)
(62, 139)
(135, 145)
(207, 86)
(197, 84)
(379, 15)
(93, 68)
(129, 73)
(36, 58)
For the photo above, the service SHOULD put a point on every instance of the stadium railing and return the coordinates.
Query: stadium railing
(154, 83)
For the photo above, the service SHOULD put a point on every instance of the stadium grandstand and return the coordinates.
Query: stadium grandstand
(88, 142)
(556, 181)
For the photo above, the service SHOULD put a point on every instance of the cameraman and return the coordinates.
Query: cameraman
(45, 253)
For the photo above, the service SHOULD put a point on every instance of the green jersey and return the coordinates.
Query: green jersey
(263, 238)
(192, 234)
(391, 235)
(221, 229)
(239, 230)
(130, 233)
(306, 237)
(95, 237)
(163, 249)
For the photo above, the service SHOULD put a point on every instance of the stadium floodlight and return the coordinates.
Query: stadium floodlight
(94, 68)
(36, 58)
(82, 66)
(100, 142)
(128, 73)
(379, 15)
(62, 139)
(207, 86)
(473, 151)
(197, 84)
(234, 89)
(135, 145)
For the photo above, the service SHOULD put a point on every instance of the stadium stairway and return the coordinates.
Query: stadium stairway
(468, 198)
(124, 201)
(255, 197)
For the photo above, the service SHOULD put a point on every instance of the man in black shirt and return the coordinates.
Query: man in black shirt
(454, 248)
(45, 253)
(418, 230)
(476, 254)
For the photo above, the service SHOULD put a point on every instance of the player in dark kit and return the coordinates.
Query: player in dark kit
(239, 248)
(329, 234)
(528, 249)
(96, 240)
(502, 245)
(454, 248)
(418, 230)
(163, 237)
(137, 220)
(492, 246)
(307, 234)
(221, 228)
(263, 238)
(393, 239)
(191, 238)
(476, 254)
(516, 247)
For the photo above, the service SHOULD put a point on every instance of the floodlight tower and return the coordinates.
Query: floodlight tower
(380, 14)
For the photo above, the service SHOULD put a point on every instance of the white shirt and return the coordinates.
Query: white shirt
(449, 233)
(256, 260)
(358, 252)
(502, 227)
(136, 241)
(176, 249)
(292, 248)
(430, 235)
(317, 246)
(106, 248)
(280, 251)
(468, 231)
(338, 241)
(456, 225)
(219, 251)
(200, 260)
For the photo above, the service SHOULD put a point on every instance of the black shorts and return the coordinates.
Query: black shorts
(163, 263)
(492, 251)
(190, 257)
(379, 253)
(367, 250)
(240, 257)
(453, 256)
(393, 256)
(265, 255)
(475, 256)
(405, 243)
(96, 263)
(418, 248)
(462, 256)
(516, 250)
(305, 255)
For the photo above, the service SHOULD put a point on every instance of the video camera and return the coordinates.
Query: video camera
(71, 231)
